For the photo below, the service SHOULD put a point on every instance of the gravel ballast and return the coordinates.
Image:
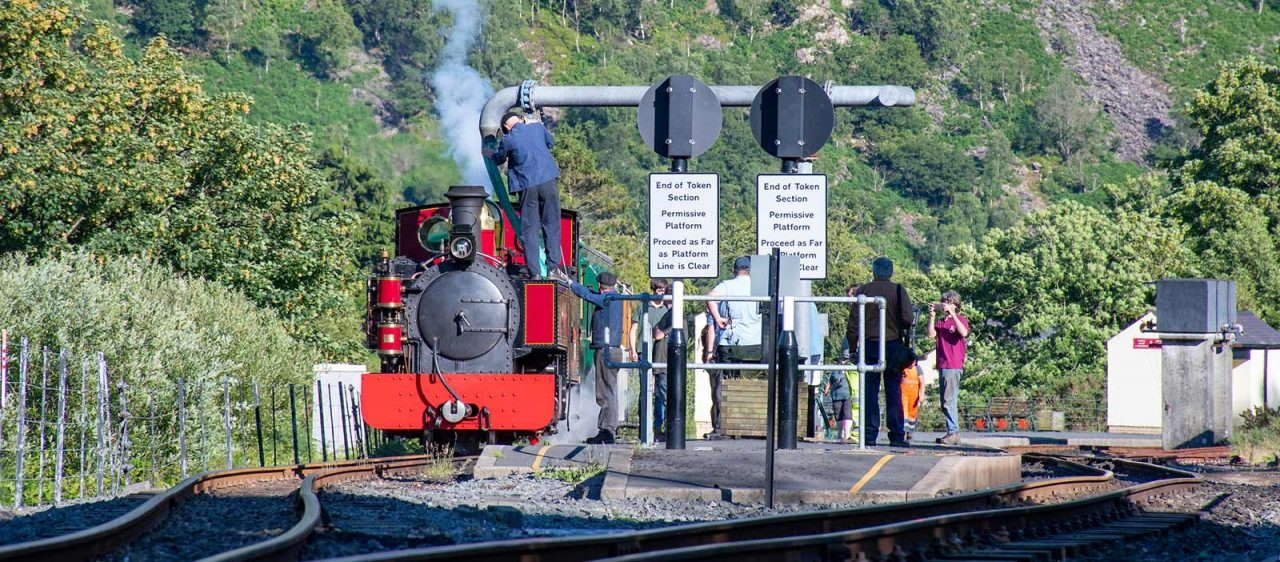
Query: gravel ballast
(218, 521)
(64, 520)
(1242, 522)
(369, 516)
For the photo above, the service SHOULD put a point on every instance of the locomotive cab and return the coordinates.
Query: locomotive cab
(467, 347)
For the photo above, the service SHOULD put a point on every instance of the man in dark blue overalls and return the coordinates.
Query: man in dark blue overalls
(532, 172)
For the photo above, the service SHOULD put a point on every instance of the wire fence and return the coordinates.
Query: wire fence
(72, 429)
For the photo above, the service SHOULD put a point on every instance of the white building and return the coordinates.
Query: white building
(1134, 374)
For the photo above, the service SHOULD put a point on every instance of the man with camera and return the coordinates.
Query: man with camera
(950, 332)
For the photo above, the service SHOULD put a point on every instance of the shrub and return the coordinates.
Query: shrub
(154, 327)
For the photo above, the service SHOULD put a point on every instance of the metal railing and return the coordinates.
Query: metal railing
(678, 298)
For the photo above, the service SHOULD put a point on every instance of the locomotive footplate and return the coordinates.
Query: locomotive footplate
(496, 401)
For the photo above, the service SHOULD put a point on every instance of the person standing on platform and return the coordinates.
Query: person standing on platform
(898, 317)
(951, 333)
(606, 342)
(658, 312)
(740, 329)
(532, 172)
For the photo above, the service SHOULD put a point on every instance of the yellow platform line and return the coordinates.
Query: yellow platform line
(537, 459)
(870, 474)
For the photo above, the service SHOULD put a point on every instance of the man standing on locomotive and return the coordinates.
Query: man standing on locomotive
(532, 172)
(606, 342)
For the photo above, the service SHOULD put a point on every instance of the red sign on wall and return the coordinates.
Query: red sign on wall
(1146, 343)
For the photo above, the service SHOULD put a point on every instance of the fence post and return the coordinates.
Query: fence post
(324, 450)
(306, 422)
(293, 420)
(22, 423)
(62, 425)
(356, 423)
(226, 417)
(4, 377)
(102, 449)
(342, 410)
(275, 439)
(126, 444)
(84, 427)
(151, 438)
(44, 393)
(182, 426)
(257, 422)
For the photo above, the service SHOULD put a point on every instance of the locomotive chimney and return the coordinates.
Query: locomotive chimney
(465, 204)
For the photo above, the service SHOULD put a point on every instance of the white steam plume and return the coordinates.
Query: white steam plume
(461, 91)
(584, 413)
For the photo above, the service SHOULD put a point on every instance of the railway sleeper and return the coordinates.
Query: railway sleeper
(1069, 543)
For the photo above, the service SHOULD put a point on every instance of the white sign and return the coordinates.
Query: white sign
(684, 225)
(791, 215)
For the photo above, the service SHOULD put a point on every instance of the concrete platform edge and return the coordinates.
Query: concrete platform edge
(967, 473)
(615, 475)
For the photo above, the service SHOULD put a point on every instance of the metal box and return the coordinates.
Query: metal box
(1195, 306)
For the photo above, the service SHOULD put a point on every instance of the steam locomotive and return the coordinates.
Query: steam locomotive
(470, 350)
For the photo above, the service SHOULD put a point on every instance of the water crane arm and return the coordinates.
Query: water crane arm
(629, 96)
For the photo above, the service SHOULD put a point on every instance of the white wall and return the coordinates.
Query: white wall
(1250, 384)
(1133, 381)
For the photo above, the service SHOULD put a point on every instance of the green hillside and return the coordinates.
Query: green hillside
(1031, 117)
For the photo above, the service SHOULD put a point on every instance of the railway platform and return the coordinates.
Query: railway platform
(734, 470)
(1033, 438)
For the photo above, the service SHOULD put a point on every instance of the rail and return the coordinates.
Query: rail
(104, 538)
(721, 540)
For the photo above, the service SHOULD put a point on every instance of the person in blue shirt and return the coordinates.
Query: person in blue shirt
(606, 341)
(532, 173)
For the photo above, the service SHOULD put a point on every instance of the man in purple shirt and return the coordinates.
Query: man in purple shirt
(950, 332)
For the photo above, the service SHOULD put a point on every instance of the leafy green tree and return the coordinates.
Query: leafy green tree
(1045, 293)
(1232, 238)
(1065, 122)
(1238, 114)
(124, 156)
(179, 20)
(927, 167)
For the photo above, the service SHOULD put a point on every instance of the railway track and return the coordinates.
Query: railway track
(1096, 504)
(877, 531)
(111, 536)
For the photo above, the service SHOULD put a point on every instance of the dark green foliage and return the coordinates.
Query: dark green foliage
(927, 167)
(783, 12)
(179, 20)
(939, 27)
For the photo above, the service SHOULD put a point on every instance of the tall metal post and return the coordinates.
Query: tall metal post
(788, 376)
(293, 420)
(324, 446)
(306, 422)
(677, 349)
(680, 165)
(257, 423)
(769, 337)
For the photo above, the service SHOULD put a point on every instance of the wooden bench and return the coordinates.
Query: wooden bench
(745, 407)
